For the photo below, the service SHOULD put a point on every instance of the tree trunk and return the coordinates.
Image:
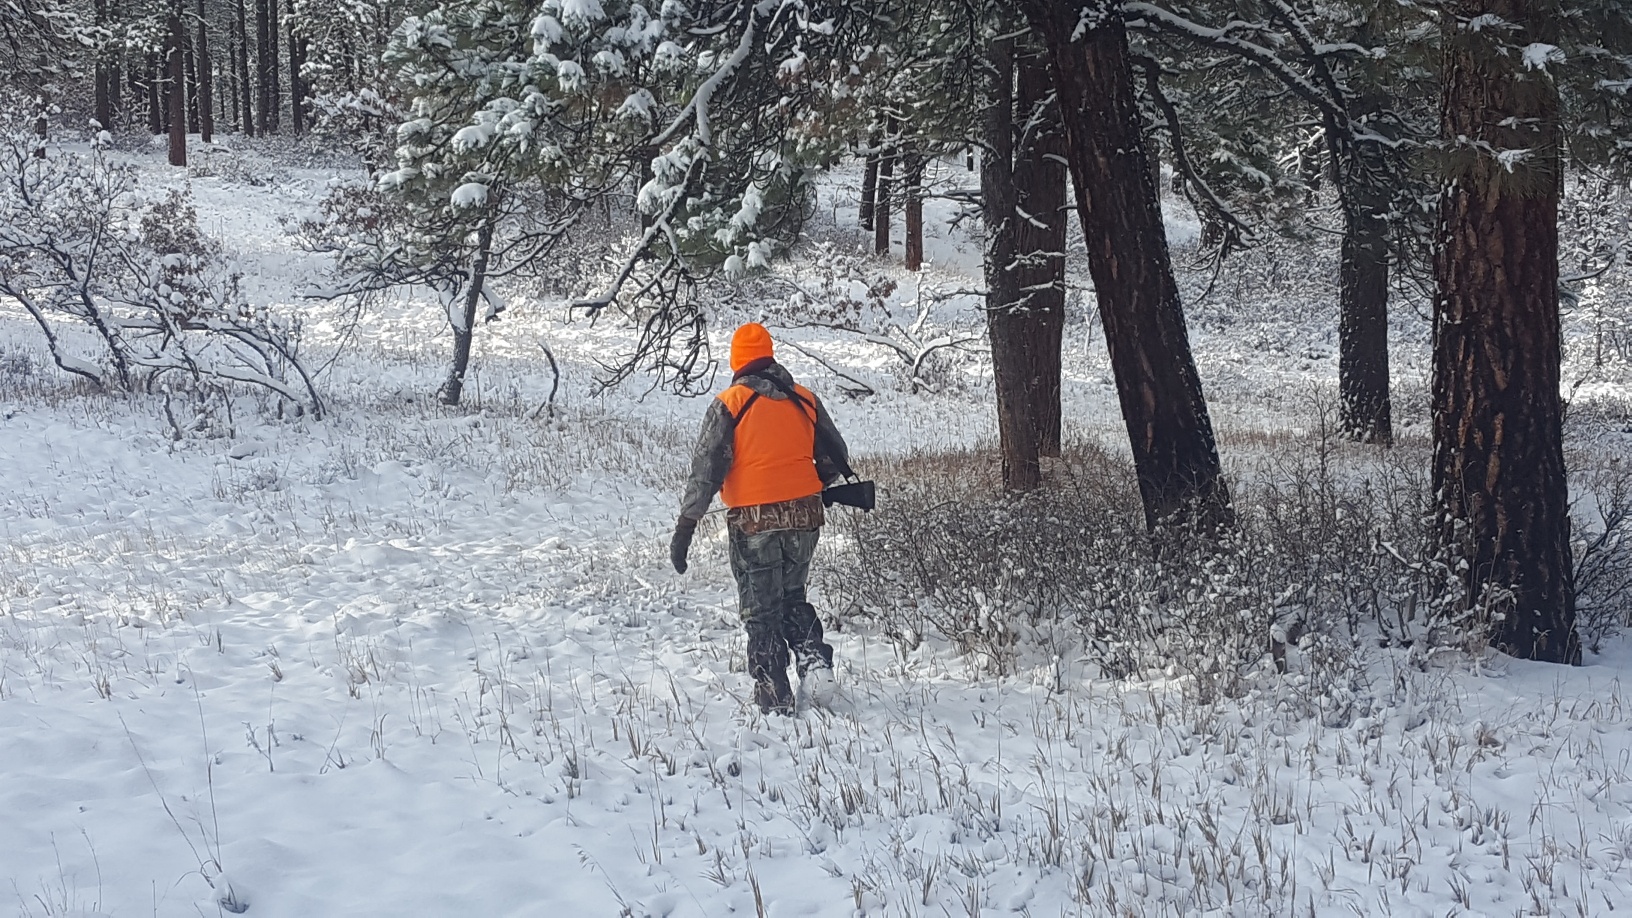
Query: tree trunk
(1498, 456)
(174, 51)
(1169, 429)
(464, 326)
(869, 181)
(1362, 351)
(266, 87)
(881, 203)
(155, 101)
(1005, 300)
(297, 91)
(206, 79)
(246, 121)
(913, 195)
(106, 72)
(1040, 177)
(275, 57)
(190, 70)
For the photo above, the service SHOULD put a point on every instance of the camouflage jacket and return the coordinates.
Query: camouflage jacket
(711, 460)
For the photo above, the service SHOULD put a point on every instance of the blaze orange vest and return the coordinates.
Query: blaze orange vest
(773, 454)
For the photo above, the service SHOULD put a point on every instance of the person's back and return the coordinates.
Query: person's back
(767, 447)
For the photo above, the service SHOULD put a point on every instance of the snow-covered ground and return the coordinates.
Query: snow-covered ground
(409, 660)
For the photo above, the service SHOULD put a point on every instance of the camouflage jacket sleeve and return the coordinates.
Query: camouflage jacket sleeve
(710, 461)
(829, 467)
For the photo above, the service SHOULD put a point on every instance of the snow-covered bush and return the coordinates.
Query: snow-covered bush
(1603, 551)
(1320, 557)
(79, 249)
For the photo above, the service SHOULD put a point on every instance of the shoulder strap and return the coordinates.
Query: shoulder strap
(753, 396)
(810, 409)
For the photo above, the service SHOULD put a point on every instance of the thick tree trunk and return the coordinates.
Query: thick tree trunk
(913, 197)
(174, 51)
(1005, 300)
(869, 181)
(464, 326)
(881, 203)
(206, 79)
(1023, 196)
(1168, 425)
(1040, 174)
(1498, 457)
(266, 87)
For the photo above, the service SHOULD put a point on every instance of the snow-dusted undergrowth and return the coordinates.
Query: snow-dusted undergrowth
(410, 660)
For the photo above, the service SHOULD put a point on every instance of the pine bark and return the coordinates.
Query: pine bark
(1023, 196)
(1005, 316)
(297, 87)
(1499, 470)
(1365, 406)
(177, 89)
(913, 204)
(206, 78)
(1041, 238)
(881, 201)
(275, 57)
(155, 96)
(190, 69)
(266, 87)
(246, 122)
(869, 183)
(107, 72)
(1169, 429)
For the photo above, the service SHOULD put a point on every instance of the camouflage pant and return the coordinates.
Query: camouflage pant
(771, 569)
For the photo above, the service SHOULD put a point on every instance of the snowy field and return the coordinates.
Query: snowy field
(410, 660)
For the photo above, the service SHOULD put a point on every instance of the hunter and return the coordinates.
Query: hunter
(768, 447)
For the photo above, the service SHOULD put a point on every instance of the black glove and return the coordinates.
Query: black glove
(680, 544)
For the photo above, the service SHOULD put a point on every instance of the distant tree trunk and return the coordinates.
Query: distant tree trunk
(275, 57)
(1366, 410)
(297, 85)
(106, 72)
(236, 112)
(1169, 429)
(1498, 457)
(869, 181)
(155, 100)
(190, 70)
(246, 121)
(174, 51)
(265, 81)
(465, 331)
(881, 203)
(206, 79)
(913, 196)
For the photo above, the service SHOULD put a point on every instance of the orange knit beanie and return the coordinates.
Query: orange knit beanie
(751, 342)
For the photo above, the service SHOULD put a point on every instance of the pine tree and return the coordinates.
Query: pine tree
(1499, 470)
(1175, 457)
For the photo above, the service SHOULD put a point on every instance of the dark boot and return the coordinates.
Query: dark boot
(802, 629)
(768, 665)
